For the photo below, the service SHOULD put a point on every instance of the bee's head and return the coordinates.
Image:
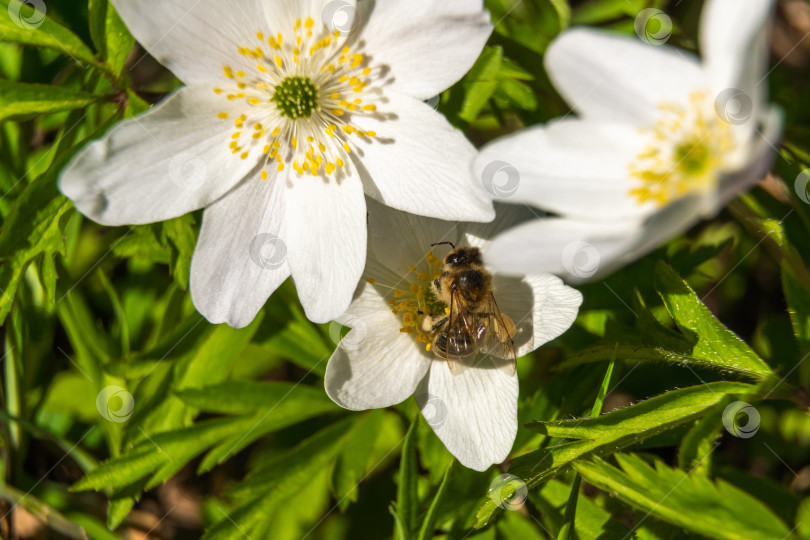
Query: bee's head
(463, 256)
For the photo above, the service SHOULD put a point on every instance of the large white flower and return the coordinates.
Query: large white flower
(662, 139)
(384, 359)
(292, 110)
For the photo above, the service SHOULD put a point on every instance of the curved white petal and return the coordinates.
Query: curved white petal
(606, 76)
(419, 163)
(573, 167)
(428, 46)
(240, 258)
(728, 31)
(575, 250)
(473, 413)
(541, 306)
(326, 242)
(506, 217)
(375, 365)
(170, 161)
(195, 40)
(398, 239)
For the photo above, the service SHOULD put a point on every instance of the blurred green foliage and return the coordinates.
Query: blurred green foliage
(125, 411)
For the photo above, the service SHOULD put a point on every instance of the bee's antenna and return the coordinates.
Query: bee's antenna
(442, 244)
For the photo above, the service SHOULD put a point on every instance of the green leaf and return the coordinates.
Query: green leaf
(41, 511)
(481, 82)
(700, 440)
(236, 397)
(23, 100)
(798, 300)
(350, 467)
(284, 475)
(24, 25)
(174, 448)
(110, 35)
(592, 522)
(711, 341)
(613, 431)
(407, 497)
(717, 510)
(429, 522)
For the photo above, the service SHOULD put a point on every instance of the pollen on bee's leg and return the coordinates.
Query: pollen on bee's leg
(425, 324)
(509, 326)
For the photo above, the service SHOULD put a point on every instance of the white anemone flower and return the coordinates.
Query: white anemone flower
(662, 139)
(384, 359)
(292, 111)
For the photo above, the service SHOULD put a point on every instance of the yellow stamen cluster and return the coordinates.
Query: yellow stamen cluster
(685, 152)
(297, 95)
(410, 303)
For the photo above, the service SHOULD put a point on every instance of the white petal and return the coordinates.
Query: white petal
(172, 160)
(427, 45)
(575, 250)
(473, 413)
(419, 163)
(398, 239)
(326, 240)
(240, 258)
(541, 306)
(728, 31)
(606, 76)
(375, 365)
(578, 168)
(195, 40)
(506, 217)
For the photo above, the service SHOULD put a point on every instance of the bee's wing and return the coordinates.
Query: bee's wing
(464, 331)
(497, 342)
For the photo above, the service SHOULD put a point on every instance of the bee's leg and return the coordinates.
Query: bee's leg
(438, 324)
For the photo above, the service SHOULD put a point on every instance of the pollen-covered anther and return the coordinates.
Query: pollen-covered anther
(413, 301)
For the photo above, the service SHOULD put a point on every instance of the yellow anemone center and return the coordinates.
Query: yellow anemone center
(299, 93)
(684, 154)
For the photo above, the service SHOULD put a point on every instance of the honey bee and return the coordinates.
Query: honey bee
(473, 331)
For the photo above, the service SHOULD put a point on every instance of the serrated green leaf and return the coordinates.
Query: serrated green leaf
(613, 431)
(29, 27)
(717, 510)
(798, 300)
(110, 35)
(711, 341)
(179, 234)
